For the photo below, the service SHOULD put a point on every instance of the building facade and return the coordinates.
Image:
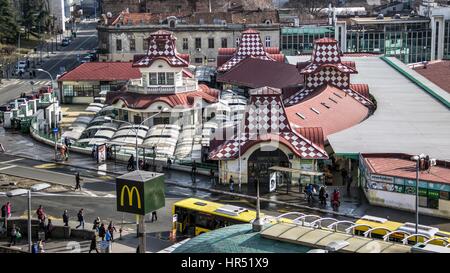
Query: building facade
(200, 35)
(411, 38)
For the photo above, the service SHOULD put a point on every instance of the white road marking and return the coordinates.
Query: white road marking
(90, 193)
(10, 161)
(8, 167)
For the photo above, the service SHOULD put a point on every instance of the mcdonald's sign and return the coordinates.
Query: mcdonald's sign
(140, 192)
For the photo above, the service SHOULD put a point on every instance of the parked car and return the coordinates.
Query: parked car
(86, 59)
(5, 108)
(65, 42)
(21, 67)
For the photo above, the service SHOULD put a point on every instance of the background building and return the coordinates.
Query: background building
(199, 34)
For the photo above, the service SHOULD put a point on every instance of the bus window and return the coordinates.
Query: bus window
(204, 221)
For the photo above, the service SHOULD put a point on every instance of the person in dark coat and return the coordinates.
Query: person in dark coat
(77, 181)
(154, 216)
(49, 229)
(93, 244)
(65, 218)
(102, 231)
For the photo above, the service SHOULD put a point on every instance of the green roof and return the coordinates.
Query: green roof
(237, 239)
(307, 30)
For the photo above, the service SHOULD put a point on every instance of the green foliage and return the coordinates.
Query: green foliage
(36, 16)
(8, 25)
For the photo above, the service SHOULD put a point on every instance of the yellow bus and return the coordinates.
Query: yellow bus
(196, 216)
(399, 231)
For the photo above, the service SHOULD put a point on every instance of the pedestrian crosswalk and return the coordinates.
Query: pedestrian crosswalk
(36, 83)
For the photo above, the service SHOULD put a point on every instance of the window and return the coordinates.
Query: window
(172, 23)
(145, 44)
(198, 43)
(211, 43)
(170, 79)
(185, 44)
(118, 45)
(162, 78)
(224, 43)
(132, 45)
(198, 60)
(153, 79)
(268, 41)
(68, 90)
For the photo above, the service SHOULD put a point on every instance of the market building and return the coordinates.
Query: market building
(289, 130)
(390, 180)
(200, 34)
(92, 80)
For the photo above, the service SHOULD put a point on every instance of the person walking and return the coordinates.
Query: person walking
(77, 181)
(80, 219)
(93, 244)
(14, 235)
(8, 209)
(322, 195)
(349, 183)
(49, 229)
(102, 231)
(65, 217)
(4, 211)
(212, 177)
(154, 216)
(41, 214)
(194, 172)
(112, 229)
(96, 224)
(231, 184)
(344, 174)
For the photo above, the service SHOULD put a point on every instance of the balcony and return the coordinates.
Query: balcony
(189, 85)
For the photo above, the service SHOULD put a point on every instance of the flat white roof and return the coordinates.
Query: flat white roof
(407, 119)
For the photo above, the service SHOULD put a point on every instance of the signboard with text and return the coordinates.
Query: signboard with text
(140, 192)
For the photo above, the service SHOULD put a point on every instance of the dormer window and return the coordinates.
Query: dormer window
(268, 22)
(172, 21)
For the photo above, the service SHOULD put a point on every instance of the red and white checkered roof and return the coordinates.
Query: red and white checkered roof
(162, 46)
(266, 120)
(250, 45)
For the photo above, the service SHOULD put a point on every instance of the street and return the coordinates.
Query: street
(62, 60)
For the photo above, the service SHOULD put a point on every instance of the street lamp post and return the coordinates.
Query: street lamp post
(234, 96)
(21, 192)
(54, 110)
(137, 130)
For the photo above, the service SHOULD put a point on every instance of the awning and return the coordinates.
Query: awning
(290, 170)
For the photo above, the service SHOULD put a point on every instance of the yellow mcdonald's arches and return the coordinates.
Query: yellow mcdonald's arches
(130, 196)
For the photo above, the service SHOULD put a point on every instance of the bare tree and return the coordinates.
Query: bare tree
(312, 7)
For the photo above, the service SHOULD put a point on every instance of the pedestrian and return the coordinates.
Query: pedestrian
(322, 196)
(309, 190)
(49, 229)
(8, 209)
(30, 74)
(15, 234)
(344, 174)
(231, 184)
(41, 214)
(169, 163)
(154, 216)
(65, 218)
(93, 244)
(4, 211)
(80, 219)
(96, 224)
(41, 246)
(102, 231)
(34, 73)
(212, 177)
(107, 235)
(194, 172)
(77, 181)
(349, 182)
(111, 229)
(2, 148)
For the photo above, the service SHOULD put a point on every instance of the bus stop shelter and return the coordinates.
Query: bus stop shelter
(290, 171)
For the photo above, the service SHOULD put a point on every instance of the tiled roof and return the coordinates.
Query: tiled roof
(102, 71)
(250, 45)
(266, 120)
(161, 45)
(400, 165)
(438, 72)
(330, 108)
(255, 73)
(142, 101)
